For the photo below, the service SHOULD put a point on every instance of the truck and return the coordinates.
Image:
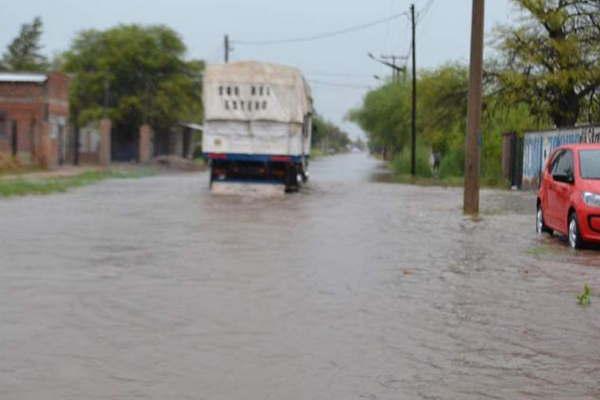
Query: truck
(257, 123)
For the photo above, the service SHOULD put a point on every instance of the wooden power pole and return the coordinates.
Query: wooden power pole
(474, 135)
(226, 47)
(413, 153)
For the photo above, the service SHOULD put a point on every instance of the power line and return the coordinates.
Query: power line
(337, 74)
(387, 26)
(419, 16)
(340, 85)
(324, 35)
(423, 13)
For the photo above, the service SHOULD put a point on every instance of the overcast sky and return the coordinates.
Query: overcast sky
(442, 34)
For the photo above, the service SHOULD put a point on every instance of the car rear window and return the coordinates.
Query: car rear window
(590, 164)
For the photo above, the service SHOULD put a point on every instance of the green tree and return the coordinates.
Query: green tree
(442, 105)
(386, 112)
(23, 53)
(441, 124)
(385, 117)
(551, 59)
(133, 74)
(327, 136)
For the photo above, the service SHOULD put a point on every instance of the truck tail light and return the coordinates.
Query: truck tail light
(281, 158)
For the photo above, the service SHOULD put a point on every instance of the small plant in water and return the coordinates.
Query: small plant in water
(584, 298)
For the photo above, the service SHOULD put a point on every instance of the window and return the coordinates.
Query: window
(257, 105)
(242, 104)
(590, 164)
(220, 90)
(228, 91)
(227, 104)
(556, 157)
(260, 91)
(264, 105)
(236, 90)
(268, 91)
(249, 106)
(563, 164)
(234, 104)
(253, 90)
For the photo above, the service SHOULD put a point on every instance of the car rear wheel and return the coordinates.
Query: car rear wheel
(575, 240)
(540, 225)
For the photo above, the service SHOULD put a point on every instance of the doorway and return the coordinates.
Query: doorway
(14, 139)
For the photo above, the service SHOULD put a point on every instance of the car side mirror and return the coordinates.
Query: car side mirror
(566, 178)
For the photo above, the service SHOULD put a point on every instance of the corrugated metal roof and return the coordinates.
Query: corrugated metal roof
(22, 77)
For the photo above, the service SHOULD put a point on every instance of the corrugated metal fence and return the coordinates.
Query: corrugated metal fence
(537, 147)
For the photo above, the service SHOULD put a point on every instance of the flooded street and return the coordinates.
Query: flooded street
(350, 289)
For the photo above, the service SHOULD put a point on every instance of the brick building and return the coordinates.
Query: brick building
(34, 113)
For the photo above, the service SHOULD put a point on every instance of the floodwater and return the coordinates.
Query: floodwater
(350, 289)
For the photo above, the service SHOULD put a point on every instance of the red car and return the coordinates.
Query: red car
(569, 196)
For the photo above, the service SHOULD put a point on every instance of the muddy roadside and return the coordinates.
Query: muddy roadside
(28, 182)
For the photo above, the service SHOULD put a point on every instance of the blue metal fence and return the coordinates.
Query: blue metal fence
(537, 147)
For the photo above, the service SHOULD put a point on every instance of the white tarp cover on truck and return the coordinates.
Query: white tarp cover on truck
(256, 108)
(284, 89)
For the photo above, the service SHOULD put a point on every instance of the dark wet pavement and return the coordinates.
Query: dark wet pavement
(351, 289)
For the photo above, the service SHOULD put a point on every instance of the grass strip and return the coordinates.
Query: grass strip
(452, 181)
(24, 186)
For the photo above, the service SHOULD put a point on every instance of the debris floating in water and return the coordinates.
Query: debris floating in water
(584, 298)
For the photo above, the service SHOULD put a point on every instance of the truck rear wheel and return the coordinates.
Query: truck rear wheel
(291, 178)
(211, 177)
(303, 174)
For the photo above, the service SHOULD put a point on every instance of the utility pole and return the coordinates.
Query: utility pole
(227, 49)
(395, 68)
(474, 137)
(413, 154)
